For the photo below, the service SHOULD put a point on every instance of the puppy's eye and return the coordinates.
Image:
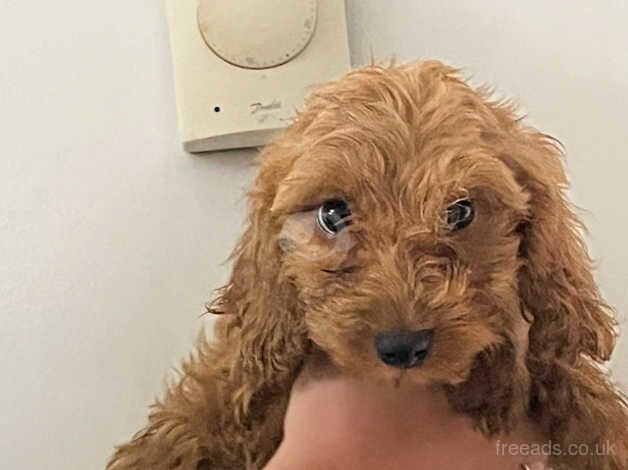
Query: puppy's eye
(459, 215)
(333, 216)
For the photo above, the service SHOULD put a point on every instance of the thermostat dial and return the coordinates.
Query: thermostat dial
(257, 34)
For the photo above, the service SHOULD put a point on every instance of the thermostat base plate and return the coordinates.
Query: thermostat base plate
(222, 106)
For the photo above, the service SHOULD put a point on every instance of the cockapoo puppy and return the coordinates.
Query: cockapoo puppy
(403, 224)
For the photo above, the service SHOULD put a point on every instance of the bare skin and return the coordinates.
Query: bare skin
(337, 422)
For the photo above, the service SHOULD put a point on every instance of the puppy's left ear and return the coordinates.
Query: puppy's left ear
(556, 281)
(573, 332)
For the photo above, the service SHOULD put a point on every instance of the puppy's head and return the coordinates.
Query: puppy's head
(402, 224)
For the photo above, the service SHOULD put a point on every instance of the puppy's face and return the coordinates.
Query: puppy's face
(399, 225)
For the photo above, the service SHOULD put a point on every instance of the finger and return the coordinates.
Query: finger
(534, 466)
(521, 329)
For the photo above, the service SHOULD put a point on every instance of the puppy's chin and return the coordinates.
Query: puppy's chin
(434, 371)
(321, 365)
(421, 376)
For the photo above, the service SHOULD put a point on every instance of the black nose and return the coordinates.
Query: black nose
(403, 349)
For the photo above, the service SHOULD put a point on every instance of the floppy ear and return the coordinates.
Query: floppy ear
(556, 281)
(573, 331)
(260, 324)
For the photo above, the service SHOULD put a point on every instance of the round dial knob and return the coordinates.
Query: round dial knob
(257, 34)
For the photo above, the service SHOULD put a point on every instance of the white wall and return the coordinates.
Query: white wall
(111, 238)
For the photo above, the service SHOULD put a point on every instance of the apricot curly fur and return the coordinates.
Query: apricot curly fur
(399, 144)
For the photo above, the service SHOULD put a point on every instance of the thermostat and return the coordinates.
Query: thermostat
(242, 68)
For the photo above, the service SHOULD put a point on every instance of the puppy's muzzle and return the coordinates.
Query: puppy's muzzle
(404, 349)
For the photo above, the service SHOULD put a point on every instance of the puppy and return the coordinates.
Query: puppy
(404, 224)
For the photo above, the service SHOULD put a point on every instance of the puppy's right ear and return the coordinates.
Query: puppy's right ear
(259, 316)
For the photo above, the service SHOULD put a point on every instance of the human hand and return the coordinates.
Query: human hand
(338, 422)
